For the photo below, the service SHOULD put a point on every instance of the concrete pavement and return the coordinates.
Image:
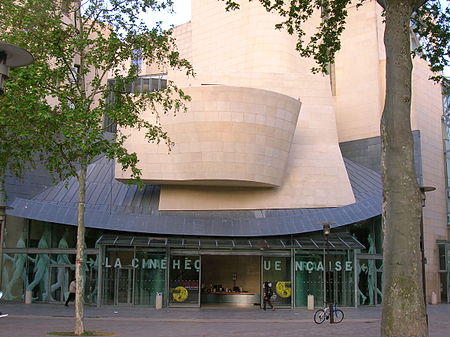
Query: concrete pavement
(36, 320)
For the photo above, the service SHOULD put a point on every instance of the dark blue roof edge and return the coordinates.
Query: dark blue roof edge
(176, 225)
(128, 218)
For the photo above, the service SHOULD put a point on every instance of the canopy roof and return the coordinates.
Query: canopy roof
(336, 241)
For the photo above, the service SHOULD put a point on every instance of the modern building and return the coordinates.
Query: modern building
(266, 154)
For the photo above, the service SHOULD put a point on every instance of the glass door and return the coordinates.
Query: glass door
(184, 280)
(309, 278)
(124, 286)
(118, 274)
(150, 277)
(340, 274)
(277, 270)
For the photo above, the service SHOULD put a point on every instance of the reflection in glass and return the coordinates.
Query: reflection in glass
(117, 276)
(15, 266)
(150, 269)
(91, 279)
(277, 270)
(59, 277)
(309, 278)
(184, 280)
(40, 269)
(342, 277)
(60, 284)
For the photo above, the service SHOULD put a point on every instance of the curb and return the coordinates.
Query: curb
(193, 320)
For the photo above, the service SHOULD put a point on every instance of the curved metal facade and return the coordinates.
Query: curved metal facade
(116, 206)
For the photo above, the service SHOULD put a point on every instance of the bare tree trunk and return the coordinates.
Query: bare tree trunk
(79, 272)
(403, 304)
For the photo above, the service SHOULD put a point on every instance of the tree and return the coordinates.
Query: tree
(403, 303)
(54, 110)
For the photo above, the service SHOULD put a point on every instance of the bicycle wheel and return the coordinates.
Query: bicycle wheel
(338, 315)
(319, 316)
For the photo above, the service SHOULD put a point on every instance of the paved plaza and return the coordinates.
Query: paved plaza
(36, 320)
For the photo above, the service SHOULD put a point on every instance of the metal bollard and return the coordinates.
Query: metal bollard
(158, 302)
(331, 313)
(28, 296)
(310, 302)
(434, 299)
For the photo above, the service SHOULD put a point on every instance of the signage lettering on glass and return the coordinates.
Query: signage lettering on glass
(136, 263)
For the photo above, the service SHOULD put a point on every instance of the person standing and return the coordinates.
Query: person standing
(72, 290)
(268, 293)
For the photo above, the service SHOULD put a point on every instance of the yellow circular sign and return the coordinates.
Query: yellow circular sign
(180, 294)
(283, 289)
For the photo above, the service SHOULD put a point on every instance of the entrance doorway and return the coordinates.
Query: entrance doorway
(184, 280)
(118, 276)
(119, 286)
(123, 286)
(231, 280)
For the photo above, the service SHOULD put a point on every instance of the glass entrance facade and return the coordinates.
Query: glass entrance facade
(325, 276)
(444, 270)
(277, 270)
(150, 278)
(184, 280)
(128, 270)
(39, 258)
(309, 277)
(59, 279)
(133, 276)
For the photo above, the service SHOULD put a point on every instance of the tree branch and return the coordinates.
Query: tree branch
(418, 3)
(382, 3)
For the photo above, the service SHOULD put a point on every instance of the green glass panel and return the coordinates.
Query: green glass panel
(118, 276)
(184, 280)
(340, 269)
(15, 233)
(91, 279)
(309, 278)
(108, 286)
(150, 278)
(277, 270)
(14, 276)
(38, 268)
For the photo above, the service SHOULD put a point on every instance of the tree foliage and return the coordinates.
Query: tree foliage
(55, 107)
(430, 22)
(404, 312)
(446, 101)
(323, 44)
(53, 111)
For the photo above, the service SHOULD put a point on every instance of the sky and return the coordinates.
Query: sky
(182, 14)
(182, 9)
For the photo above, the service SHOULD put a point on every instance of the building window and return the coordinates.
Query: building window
(141, 84)
(136, 60)
(75, 73)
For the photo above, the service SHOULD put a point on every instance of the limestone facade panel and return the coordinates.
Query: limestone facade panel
(230, 136)
(226, 49)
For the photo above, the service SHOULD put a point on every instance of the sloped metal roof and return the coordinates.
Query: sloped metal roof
(116, 206)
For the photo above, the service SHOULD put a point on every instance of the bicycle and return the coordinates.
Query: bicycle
(324, 314)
